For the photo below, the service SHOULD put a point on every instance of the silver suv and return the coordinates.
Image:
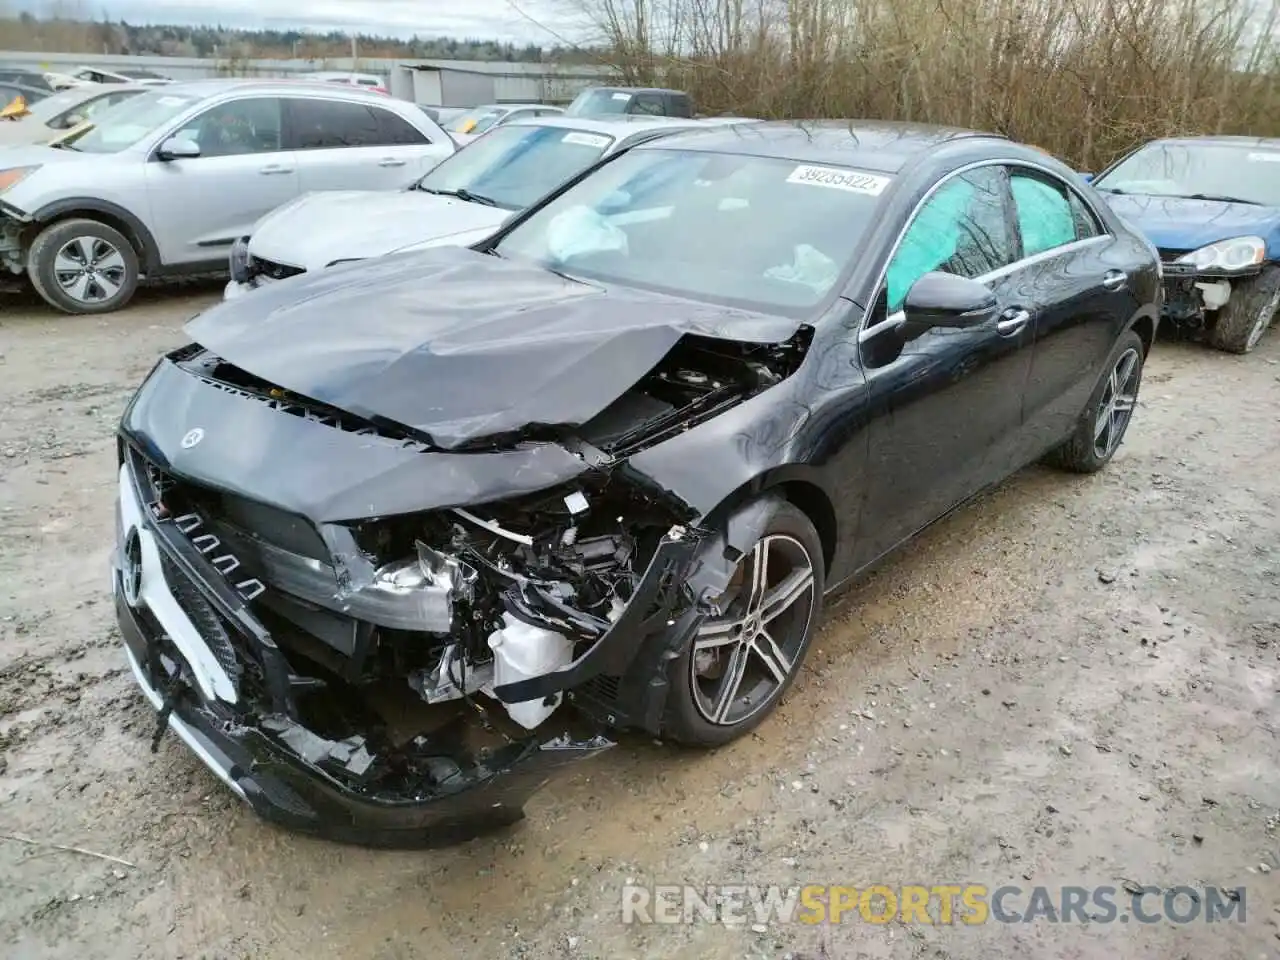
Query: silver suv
(165, 182)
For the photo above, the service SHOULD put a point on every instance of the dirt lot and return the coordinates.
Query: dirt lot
(1073, 681)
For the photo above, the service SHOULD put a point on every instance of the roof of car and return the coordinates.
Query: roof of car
(883, 146)
(681, 93)
(1225, 141)
(214, 87)
(621, 125)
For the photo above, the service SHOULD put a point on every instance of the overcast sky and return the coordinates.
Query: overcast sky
(482, 19)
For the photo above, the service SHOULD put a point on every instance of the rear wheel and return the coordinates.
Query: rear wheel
(740, 663)
(83, 266)
(1247, 315)
(1103, 424)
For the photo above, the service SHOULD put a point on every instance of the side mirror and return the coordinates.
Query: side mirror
(945, 300)
(178, 148)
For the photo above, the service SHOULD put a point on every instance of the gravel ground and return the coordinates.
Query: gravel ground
(1072, 681)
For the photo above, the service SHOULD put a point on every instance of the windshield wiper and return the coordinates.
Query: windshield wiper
(1221, 198)
(462, 193)
(64, 146)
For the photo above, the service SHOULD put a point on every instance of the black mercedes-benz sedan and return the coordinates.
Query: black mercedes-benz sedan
(399, 538)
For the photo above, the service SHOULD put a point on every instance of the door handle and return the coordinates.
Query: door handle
(274, 168)
(1114, 280)
(390, 162)
(1012, 321)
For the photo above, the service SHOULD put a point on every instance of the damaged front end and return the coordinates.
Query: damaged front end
(400, 678)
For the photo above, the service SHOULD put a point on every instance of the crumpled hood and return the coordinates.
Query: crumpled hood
(1175, 223)
(330, 225)
(461, 345)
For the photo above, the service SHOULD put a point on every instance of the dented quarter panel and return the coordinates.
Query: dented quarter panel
(461, 345)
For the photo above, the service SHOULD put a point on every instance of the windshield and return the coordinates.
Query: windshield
(475, 121)
(121, 126)
(1244, 172)
(759, 232)
(591, 102)
(515, 165)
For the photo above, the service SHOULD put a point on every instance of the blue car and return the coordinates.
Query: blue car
(1211, 206)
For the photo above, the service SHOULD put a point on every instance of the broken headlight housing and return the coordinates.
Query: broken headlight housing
(1228, 256)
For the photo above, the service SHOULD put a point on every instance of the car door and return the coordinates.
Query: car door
(1078, 276)
(201, 205)
(351, 145)
(945, 404)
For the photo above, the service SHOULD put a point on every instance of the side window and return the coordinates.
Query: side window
(236, 127)
(1045, 217)
(647, 103)
(1086, 222)
(395, 129)
(329, 124)
(962, 229)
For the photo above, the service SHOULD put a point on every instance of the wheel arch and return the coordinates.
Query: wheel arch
(797, 485)
(1144, 325)
(106, 212)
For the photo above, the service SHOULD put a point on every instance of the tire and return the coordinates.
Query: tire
(697, 712)
(106, 261)
(1084, 451)
(1246, 316)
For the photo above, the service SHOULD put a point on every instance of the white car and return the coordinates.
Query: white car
(165, 183)
(146, 78)
(469, 124)
(54, 115)
(462, 201)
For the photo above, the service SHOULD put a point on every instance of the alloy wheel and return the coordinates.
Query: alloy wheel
(743, 658)
(89, 270)
(1116, 406)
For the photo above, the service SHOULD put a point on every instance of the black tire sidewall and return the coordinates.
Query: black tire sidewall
(682, 722)
(1128, 341)
(46, 246)
(1250, 301)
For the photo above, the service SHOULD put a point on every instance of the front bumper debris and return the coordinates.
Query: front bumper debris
(188, 637)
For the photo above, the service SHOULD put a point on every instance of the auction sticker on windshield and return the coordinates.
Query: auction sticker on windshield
(585, 139)
(838, 178)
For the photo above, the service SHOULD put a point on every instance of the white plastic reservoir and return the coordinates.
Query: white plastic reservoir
(522, 651)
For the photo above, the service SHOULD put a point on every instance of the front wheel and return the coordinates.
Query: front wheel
(741, 662)
(1106, 419)
(1245, 317)
(83, 266)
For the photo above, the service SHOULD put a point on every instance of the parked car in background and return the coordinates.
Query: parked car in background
(26, 77)
(65, 81)
(1211, 206)
(650, 101)
(463, 200)
(165, 182)
(17, 98)
(606, 463)
(61, 111)
(366, 81)
(123, 75)
(466, 126)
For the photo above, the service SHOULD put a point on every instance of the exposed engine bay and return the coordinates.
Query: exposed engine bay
(401, 655)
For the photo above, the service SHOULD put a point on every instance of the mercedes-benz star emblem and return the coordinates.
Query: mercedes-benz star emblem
(131, 567)
(191, 438)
